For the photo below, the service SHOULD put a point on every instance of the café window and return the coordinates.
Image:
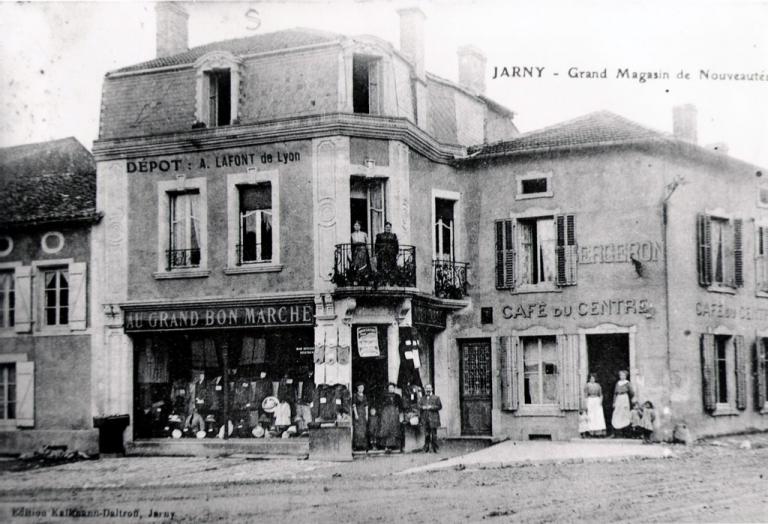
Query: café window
(724, 369)
(539, 370)
(255, 223)
(536, 253)
(720, 252)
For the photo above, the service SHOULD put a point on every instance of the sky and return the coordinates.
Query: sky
(53, 56)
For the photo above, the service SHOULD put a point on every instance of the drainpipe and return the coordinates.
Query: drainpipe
(665, 220)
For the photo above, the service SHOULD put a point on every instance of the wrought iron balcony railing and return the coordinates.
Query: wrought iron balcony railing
(364, 265)
(182, 258)
(450, 278)
(253, 253)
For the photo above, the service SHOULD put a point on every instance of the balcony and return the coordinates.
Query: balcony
(450, 278)
(361, 265)
(182, 258)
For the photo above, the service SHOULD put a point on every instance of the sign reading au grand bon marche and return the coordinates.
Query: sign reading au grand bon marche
(168, 319)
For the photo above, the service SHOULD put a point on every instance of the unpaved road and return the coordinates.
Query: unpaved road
(705, 484)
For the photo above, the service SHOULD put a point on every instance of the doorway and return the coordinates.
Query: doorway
(369, 366)
(475, 386)
(607, 354)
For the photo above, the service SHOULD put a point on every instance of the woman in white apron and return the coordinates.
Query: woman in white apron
(622, 396)
(594, 395)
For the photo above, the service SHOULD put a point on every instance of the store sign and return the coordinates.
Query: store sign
(212, 161)
(368, 342)
(306, 350)
(593, 308)
(220, 317)
(617, 252)
(428, 316)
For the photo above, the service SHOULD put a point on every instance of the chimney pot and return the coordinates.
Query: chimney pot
(172, 31)
(684, 123)
(472, 68)
(412, 37)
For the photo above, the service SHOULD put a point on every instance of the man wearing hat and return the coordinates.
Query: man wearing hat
(430, 407)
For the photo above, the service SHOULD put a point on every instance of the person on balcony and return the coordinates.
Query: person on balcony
(360, 260)
(387, 249)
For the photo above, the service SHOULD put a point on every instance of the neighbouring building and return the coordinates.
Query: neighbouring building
(47, 210)
(246, 187)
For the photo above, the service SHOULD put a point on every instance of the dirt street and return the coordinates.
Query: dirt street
(704, 483)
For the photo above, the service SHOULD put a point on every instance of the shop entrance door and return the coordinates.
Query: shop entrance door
(370, 368)
(475, 373)
(606, 355)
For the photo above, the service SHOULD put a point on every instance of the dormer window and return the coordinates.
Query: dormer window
(218, 88)
(366, 79)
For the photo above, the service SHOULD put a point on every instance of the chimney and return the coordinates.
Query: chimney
(412, 36)
(472, 69)
(684, 125)
(171, 37)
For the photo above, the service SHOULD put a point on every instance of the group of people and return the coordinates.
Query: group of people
(386, 249)
(630, 418)
(382, 428)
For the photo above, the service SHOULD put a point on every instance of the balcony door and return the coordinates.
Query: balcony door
(367, 205)
(445, 244)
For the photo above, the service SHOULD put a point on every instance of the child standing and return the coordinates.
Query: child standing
(583, 424)
(648, 421)
(373, 429)
(636, 419)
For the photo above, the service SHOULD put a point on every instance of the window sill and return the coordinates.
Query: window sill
(724, 410)
(761, 294)
(8, 425)
(722, 289)
(522, 290)
(540, 411)
(253, 268)
(181, 273)
(534, 195)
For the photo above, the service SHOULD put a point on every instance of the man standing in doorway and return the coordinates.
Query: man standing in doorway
(430, 407)
(387, 249)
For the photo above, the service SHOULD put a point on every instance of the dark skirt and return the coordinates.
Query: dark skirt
(360, 431)
(389, 430)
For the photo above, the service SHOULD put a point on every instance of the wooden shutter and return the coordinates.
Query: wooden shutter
(508, 356)
(760, 383)
(741, 371)
(566, 249)
(704, 229)
(77, 296)
(708, 371)
(23, 299)
(25, 393)
(505, 254)
(568, 372)
(738, 252)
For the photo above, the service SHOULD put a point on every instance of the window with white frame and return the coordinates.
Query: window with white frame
(56, 297)
(761, 373)
(539, 370)
(533, 185)
(184, 221)
(537, 252)
(761, 259)
(720, 251)
(7, 391)
(366, 82)
(7, 299)
(255, 223)
(218, 88)
(219, 101)
(724, 368)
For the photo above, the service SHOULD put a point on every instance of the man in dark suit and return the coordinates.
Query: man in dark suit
(387, 249)
(430, 407)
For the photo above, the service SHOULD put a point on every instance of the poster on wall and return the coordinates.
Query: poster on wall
(368, 342)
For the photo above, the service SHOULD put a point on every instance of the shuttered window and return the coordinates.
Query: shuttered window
(761, 259)
(724, 372)
(720, 251)
(761, 373)
(740, 351)
(505, 254)
(709, 384)
(570, 379)
(508, 357)
(566, 249)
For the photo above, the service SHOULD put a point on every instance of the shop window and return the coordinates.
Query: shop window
(761, 260)
(368, 204)
(56, 297)
(8, 391)
(536, 253)
(7, 299)
(720, 255)
(724, 366)
(184, 242)
(255, 223)
(534, 185)
(219, 87)
(366, 95)
(539, 370)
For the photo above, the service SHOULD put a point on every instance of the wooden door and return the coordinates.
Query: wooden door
(475, 377)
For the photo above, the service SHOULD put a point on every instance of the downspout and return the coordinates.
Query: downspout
(667, 314)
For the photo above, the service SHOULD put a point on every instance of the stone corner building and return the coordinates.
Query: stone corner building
(231, 175)
(47, 210)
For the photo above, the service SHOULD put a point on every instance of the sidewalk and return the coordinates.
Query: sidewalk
(512, 452)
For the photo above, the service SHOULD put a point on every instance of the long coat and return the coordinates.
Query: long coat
(430, 406)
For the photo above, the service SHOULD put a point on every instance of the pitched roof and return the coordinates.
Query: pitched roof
(261, 43)
(594, 129)
(47, 182)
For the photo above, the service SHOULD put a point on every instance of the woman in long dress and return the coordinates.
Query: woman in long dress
(360, 259)
(390, 430)
(594, 395)
(621, 404)
(360, 419)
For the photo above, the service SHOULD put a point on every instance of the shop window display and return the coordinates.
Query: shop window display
(249, 385)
